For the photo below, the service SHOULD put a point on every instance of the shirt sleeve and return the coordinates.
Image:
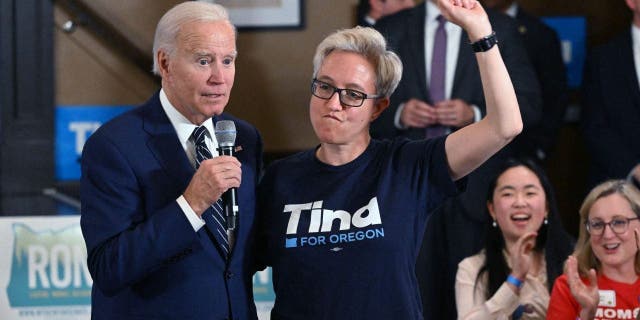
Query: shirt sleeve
(439, 169)
(477, 114)
(195, 221)
(396, 118)
(470, 300)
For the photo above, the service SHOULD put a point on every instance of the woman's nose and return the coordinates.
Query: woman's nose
(334, 102)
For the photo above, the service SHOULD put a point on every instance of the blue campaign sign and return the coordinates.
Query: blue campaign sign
(572, 33)
(74, 124)
(262, 287)
(263, 293)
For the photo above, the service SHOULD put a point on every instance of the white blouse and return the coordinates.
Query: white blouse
(472, 304)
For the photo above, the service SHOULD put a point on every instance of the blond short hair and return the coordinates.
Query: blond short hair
(370, 44)
(584, 252)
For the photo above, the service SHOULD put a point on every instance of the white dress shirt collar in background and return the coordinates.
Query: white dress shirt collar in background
(635, 45)
(370, 20)
(512, 11)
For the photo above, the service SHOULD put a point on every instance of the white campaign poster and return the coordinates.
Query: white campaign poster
(43, 269)
(44, 274)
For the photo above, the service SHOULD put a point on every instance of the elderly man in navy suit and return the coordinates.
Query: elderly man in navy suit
(158, 246)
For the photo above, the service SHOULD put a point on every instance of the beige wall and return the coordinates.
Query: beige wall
(89, 71)
(273, 70)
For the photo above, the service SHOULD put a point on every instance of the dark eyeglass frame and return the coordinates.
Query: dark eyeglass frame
(315, 82)
(588, 224)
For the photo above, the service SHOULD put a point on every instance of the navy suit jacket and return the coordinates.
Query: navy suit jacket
(146, 260)
(611, 115)
(543, 48)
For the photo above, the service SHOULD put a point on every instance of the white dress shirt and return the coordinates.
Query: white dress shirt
(184, 128)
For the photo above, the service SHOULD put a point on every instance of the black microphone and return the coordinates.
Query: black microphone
(226, 136)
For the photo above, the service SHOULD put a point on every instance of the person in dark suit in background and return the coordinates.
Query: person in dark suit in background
(369, 11)
(543, 46)
(155, 248)
(611, 104)
(455, 230)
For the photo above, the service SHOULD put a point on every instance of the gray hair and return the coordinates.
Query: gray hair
(169, 25)
(370, 44)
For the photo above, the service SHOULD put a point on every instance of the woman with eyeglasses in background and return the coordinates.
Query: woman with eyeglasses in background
(601, 277)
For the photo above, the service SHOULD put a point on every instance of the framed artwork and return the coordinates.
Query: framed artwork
(265, 14)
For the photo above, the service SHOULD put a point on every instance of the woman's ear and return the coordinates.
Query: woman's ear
(379, 106)
(491, 209)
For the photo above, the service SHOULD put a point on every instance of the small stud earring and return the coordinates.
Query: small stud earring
(494, 224)
(546, 221)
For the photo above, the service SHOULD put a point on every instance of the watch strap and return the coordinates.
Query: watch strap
(485, 43)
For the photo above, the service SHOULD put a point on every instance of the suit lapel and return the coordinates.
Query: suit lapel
(465, 56)
(163, 143)
(417, 51)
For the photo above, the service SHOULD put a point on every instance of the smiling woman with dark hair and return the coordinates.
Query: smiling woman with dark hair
(524, 249)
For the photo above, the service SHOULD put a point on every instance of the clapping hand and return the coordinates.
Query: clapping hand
(586, 295)
(521, 255)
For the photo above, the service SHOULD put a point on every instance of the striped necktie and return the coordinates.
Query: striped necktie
(214, 218)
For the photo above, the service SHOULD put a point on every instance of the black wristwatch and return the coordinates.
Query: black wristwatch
(485, 43)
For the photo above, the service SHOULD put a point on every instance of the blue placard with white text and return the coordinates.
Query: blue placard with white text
(572, 32)
(74, 124)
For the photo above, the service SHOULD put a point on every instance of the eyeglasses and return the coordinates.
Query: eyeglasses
(617, 225)
(348, 97)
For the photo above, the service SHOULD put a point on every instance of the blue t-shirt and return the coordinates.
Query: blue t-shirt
(343, 240)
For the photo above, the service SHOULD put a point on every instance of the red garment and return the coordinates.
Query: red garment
(626, 305)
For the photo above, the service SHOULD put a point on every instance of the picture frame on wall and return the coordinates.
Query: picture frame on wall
(264, 14)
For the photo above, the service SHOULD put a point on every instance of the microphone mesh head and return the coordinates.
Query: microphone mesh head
(226, 133)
